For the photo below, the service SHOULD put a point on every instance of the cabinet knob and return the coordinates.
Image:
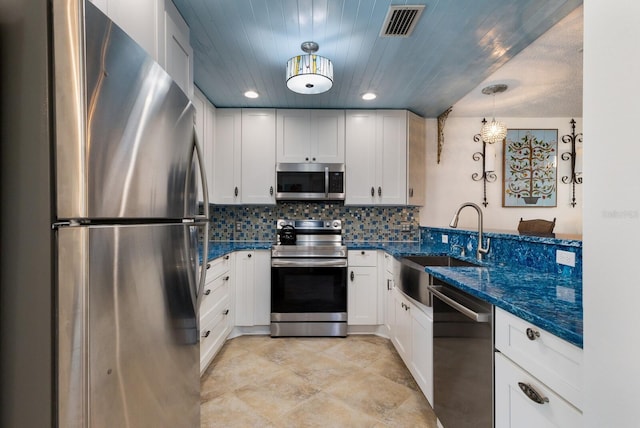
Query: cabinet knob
(379, 191)
(532, 334)
(249, 255)
(271, 191)
(532, 394)
(207, 292)
(206, 333)
(362, 252)
(226, 278)
(352, 276)
(313, 159)
(226, 257)
(225, 312)
(373, 192)
(235, 191)
(306, 159)
(208, 265)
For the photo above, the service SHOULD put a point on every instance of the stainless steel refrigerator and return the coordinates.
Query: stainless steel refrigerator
(120, 290)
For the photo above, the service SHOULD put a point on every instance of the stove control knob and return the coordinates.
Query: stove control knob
(336, 224)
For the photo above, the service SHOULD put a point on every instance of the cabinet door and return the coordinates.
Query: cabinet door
(258, 156)
(245, 294)
(422, 351)
(362, 296)
(515, 409)
(136, 18)
(402, 337)
(416, 160)
(178, 55)
(293, 135)
(225, 178)
(391, 164)
(262, 288)
(327, 136)
(389, 303)
(360, 156)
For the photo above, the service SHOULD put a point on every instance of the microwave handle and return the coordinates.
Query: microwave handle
(326, 181)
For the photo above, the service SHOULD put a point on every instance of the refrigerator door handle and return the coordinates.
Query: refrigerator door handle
(204, 219)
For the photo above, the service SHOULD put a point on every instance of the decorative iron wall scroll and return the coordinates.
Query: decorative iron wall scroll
(530, 168)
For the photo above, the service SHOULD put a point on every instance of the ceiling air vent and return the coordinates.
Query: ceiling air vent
(401, 20)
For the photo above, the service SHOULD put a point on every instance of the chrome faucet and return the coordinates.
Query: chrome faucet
(454, 223)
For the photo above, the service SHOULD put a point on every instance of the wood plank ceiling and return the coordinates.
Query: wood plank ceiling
(245, 44)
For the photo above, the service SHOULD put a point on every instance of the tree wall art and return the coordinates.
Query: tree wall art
(530, 168)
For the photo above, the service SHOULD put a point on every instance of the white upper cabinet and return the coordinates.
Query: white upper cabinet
(258, 176)
(310, 136)
(376, 157)
(244, 157)
(227, 144)
(204, 127)
(137, 18)
(174, 52)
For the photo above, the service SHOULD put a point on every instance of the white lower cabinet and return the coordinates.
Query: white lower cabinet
(253, 288)
(516, 409)
(216, 308)
(422, 351)
(538, 376)
(362, 288)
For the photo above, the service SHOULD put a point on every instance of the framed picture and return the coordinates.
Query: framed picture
(530, 168)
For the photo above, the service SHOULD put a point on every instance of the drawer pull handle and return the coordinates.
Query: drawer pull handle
(226, 257)
(352, 276)
(207, 292)
(206, 333)
(225, 312)
(532, 334)
(208, 265)
(532, 393)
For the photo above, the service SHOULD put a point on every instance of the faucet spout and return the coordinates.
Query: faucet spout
(454, 223)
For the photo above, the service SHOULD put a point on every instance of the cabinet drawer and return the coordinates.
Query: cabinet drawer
(217, 267)
(554, 361)
(514, 409)
(214, 292)
(214, 328)
(362, 258)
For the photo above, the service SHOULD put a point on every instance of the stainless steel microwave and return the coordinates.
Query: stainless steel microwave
(310, 181)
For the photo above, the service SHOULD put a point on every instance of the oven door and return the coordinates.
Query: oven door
(308, 289)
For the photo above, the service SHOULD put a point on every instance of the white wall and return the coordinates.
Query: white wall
(611, 286)
(450, 184)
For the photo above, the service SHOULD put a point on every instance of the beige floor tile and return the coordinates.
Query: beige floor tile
(414, 412)
(324, 411)
(242, 370)
(371, 393)
(229, 411)
(359, 381)
(276, 394)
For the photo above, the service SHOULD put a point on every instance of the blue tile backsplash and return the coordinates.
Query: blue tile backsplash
(258, 223)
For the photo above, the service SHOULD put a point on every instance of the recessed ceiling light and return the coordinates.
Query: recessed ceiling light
(251, 94)
(369, 96)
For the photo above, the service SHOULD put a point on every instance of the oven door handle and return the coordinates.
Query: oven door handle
(304, 262)
(470, 313)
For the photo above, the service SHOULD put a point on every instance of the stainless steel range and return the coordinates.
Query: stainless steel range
(309, 279)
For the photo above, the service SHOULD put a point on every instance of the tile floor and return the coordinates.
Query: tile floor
(359, 381)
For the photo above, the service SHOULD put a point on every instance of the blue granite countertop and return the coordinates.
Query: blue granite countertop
(550, 301)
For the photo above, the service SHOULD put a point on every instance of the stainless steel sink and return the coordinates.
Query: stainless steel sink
(438, 261)
(414, 280)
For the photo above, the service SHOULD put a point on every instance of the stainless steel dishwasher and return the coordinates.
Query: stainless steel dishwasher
(462, 358)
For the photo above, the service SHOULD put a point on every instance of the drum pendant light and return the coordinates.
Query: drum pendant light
(309, 73)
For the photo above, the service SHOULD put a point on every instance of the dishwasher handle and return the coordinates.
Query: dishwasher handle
(477, 316)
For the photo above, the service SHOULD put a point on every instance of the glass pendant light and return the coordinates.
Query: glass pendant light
(494, 131)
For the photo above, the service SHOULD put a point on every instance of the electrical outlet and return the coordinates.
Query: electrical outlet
(566, 258)
(445, 239)
(406, 226)
(238, 226)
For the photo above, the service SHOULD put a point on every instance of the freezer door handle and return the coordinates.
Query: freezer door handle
(205, 220)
